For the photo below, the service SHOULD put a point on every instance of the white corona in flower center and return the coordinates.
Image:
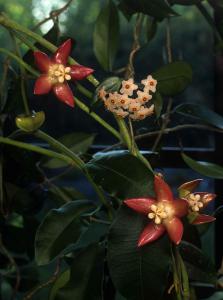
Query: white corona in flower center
(59, 73)
(195, 202)
(159, 212)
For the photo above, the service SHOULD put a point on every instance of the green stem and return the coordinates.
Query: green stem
(20, 61)
(6, 22)
(23, 75)
(84, 91)
(126, 139)
(60, 147)
(210, 21)
(86, 109)
(37, 149)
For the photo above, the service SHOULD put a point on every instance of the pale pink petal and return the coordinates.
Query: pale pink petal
(150, 233)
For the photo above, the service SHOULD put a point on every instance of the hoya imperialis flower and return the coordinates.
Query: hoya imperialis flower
(196, 201)
(163, 212)
(56, 72)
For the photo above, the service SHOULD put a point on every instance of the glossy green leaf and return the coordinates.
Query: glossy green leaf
(111, 84)
(61, 194)
(106, 35)
(60, 228)
(78, 142)
(201, 113)
(155, 8)
(137, 273)
(86, 276)
(199, 266)
(61, 281)
(205, 168)
(121, 174)
(173, 78)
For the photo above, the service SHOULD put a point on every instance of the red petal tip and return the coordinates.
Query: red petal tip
(63, 52)
(162, 189)
(202, 219)
(140, 205)
(79, 72)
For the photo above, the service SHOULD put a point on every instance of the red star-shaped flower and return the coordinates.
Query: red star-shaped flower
(197, 201)
(164, 212)
(56, 73)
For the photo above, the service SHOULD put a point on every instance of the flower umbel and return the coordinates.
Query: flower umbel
(197, 201)
(164, 212)
(131, 101)
(56, 73)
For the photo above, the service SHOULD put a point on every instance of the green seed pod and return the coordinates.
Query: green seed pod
(30, 123)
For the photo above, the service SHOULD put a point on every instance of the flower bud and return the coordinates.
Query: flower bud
(30, 123)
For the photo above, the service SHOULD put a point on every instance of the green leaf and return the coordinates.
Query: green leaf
(173, 78)
(111, 84)
(199, 266)
(184, 2)
(155, 8)
(60, 228)
(204, 168)
(106, 35)
(201, 113)
(86, 276)
(61, 281)
(78, 142)
(121, 174)
(158, 102)
(61, 195)
(137, 273)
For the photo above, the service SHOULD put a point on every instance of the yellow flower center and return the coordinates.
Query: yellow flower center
(59, 73)
(159, 212)
(195, 202)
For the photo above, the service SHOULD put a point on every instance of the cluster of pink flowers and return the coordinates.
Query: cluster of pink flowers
(131, 100)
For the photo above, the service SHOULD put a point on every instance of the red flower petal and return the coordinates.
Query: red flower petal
(64, 93)
(42, 61)
(79, 72)
(174, 228)
(190, 185)
(150, 233)
(141, 205)
(206, 197)
(62, 53)
(43, 85)
(162, 190)
(202, 219)
(180, 207)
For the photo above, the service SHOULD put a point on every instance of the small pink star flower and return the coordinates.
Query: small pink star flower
(128, 86)
(150, 84)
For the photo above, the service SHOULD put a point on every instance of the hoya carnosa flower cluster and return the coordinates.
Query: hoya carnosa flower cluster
(131, 100)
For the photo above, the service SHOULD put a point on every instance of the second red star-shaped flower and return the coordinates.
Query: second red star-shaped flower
(164, 213)
(56, 72)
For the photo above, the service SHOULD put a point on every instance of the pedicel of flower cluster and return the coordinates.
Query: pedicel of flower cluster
(131, 100)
